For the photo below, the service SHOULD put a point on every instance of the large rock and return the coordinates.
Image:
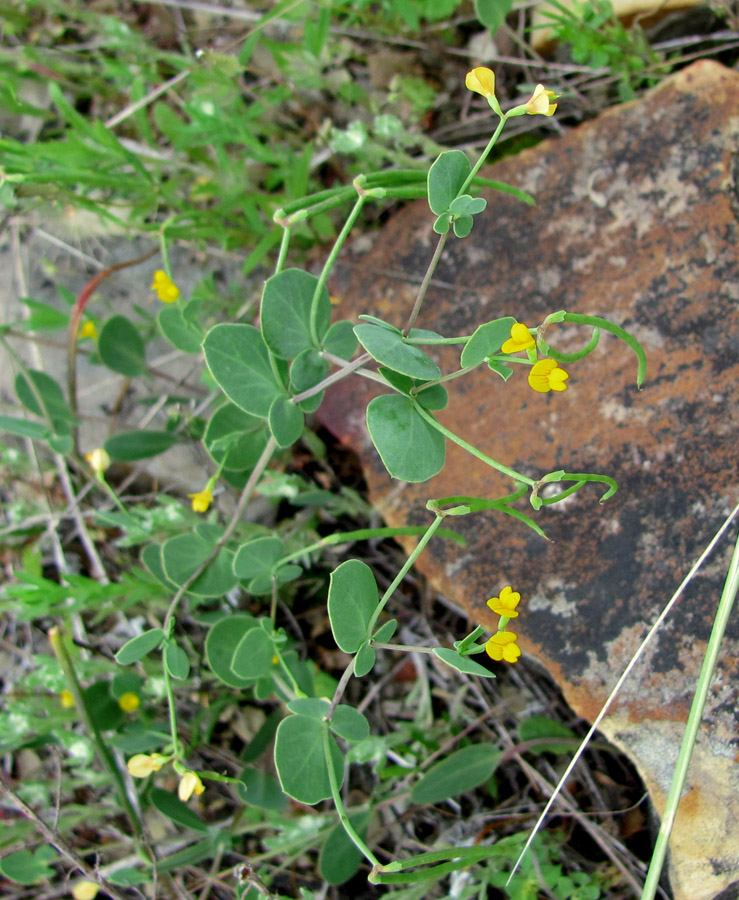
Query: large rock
(636, 220)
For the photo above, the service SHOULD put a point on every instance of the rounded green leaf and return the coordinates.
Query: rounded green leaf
(340, 857)
(175, 658)
(23, 427)
(309, 706)
(286, 312)
(253, 655)
(262, 790)
(364, 661)
(53, 402)
(25, 867)
(467, 205)
(237, 436)
(385, 632)
(308, 369)
(340, 339)
(103, 709)
(352, 601)
(173, 808)
(445, 179)
(286, 421)
(389, 348)
(121, 347)
(127, 446)
(463, 226)
(180, 333)
(434, 397)
(486, 340)
(349, 723)
(301, 762)
(410, 448)
(257, 557)
(461, 663)
(462, 771)
(220, 646)
(183, 554)
(239, 361)
(139, 647)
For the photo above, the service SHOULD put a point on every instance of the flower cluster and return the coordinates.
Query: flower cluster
(545, 374)
(502, 645)
(481, 80)
(166, 289)
(144, 764)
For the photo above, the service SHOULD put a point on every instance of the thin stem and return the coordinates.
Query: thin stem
(339, 803)
(728, 595)
(511, 473)
(347, 369)
(176, 747)
(284, 243)
(425, 284)
(478, 165)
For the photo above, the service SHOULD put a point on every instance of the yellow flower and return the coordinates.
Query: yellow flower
(202, 500)
(502, 646)
(481, 80)
(129, 701)
(143, 764)
(98, 459)
(539, 103)
(88, 330)
(190, 784)
(547, 376)
(520, 339)
(506, 603)
(166, 289)
(66, 698)
(85, 890)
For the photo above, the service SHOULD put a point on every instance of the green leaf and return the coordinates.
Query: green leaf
(173, 808)
(364, 661)
(385, 632)
(487, 340)
(390, 349)
(410, 448)
(139, 647)
(539, 728)
(349, 723)
(301, 762)
(121, 347)
(352, 601)
(446, 177)
(463, 226)
(257, 557)
(180, 333)
(261, 790)
(43, 317)
(54, 405)
(286, 421)
(340, 339)
(184, 553)
(492, 13)
(25, 867)
(434, 397)
(103, 709)
(23, 428)
(178, 665)
(442, 224)
(308, 369)
(467, 205)
(309, 706)
(461, 663)
(128, 446)
(340, 857)
(253, 655)
(286, 313)
(237, 436)
(462, 771)
(127, 876)
(220, 646)
(239, 361)
(501, 369)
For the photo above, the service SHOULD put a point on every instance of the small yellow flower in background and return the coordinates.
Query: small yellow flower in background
(129, 701)
(88, 330)
(190, 784)
(143, 764)
(520, 339)
(66, 698)
(99, 460)
(334, 300)
(502, 646)
(85, 890)
(539, 103)
(481, 80)
(202, 500)
(546, 376)
(506, 603)
(166, 289)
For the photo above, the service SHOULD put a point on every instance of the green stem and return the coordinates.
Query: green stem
(728, 595)
(478, 165)
(338, 802)
(328, 265)
(176, 747)
(505, 470)
(425, 284)
(284, 243)
(56, 639)
(597, 322)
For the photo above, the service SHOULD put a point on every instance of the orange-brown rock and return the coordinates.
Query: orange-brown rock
(636, 220)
